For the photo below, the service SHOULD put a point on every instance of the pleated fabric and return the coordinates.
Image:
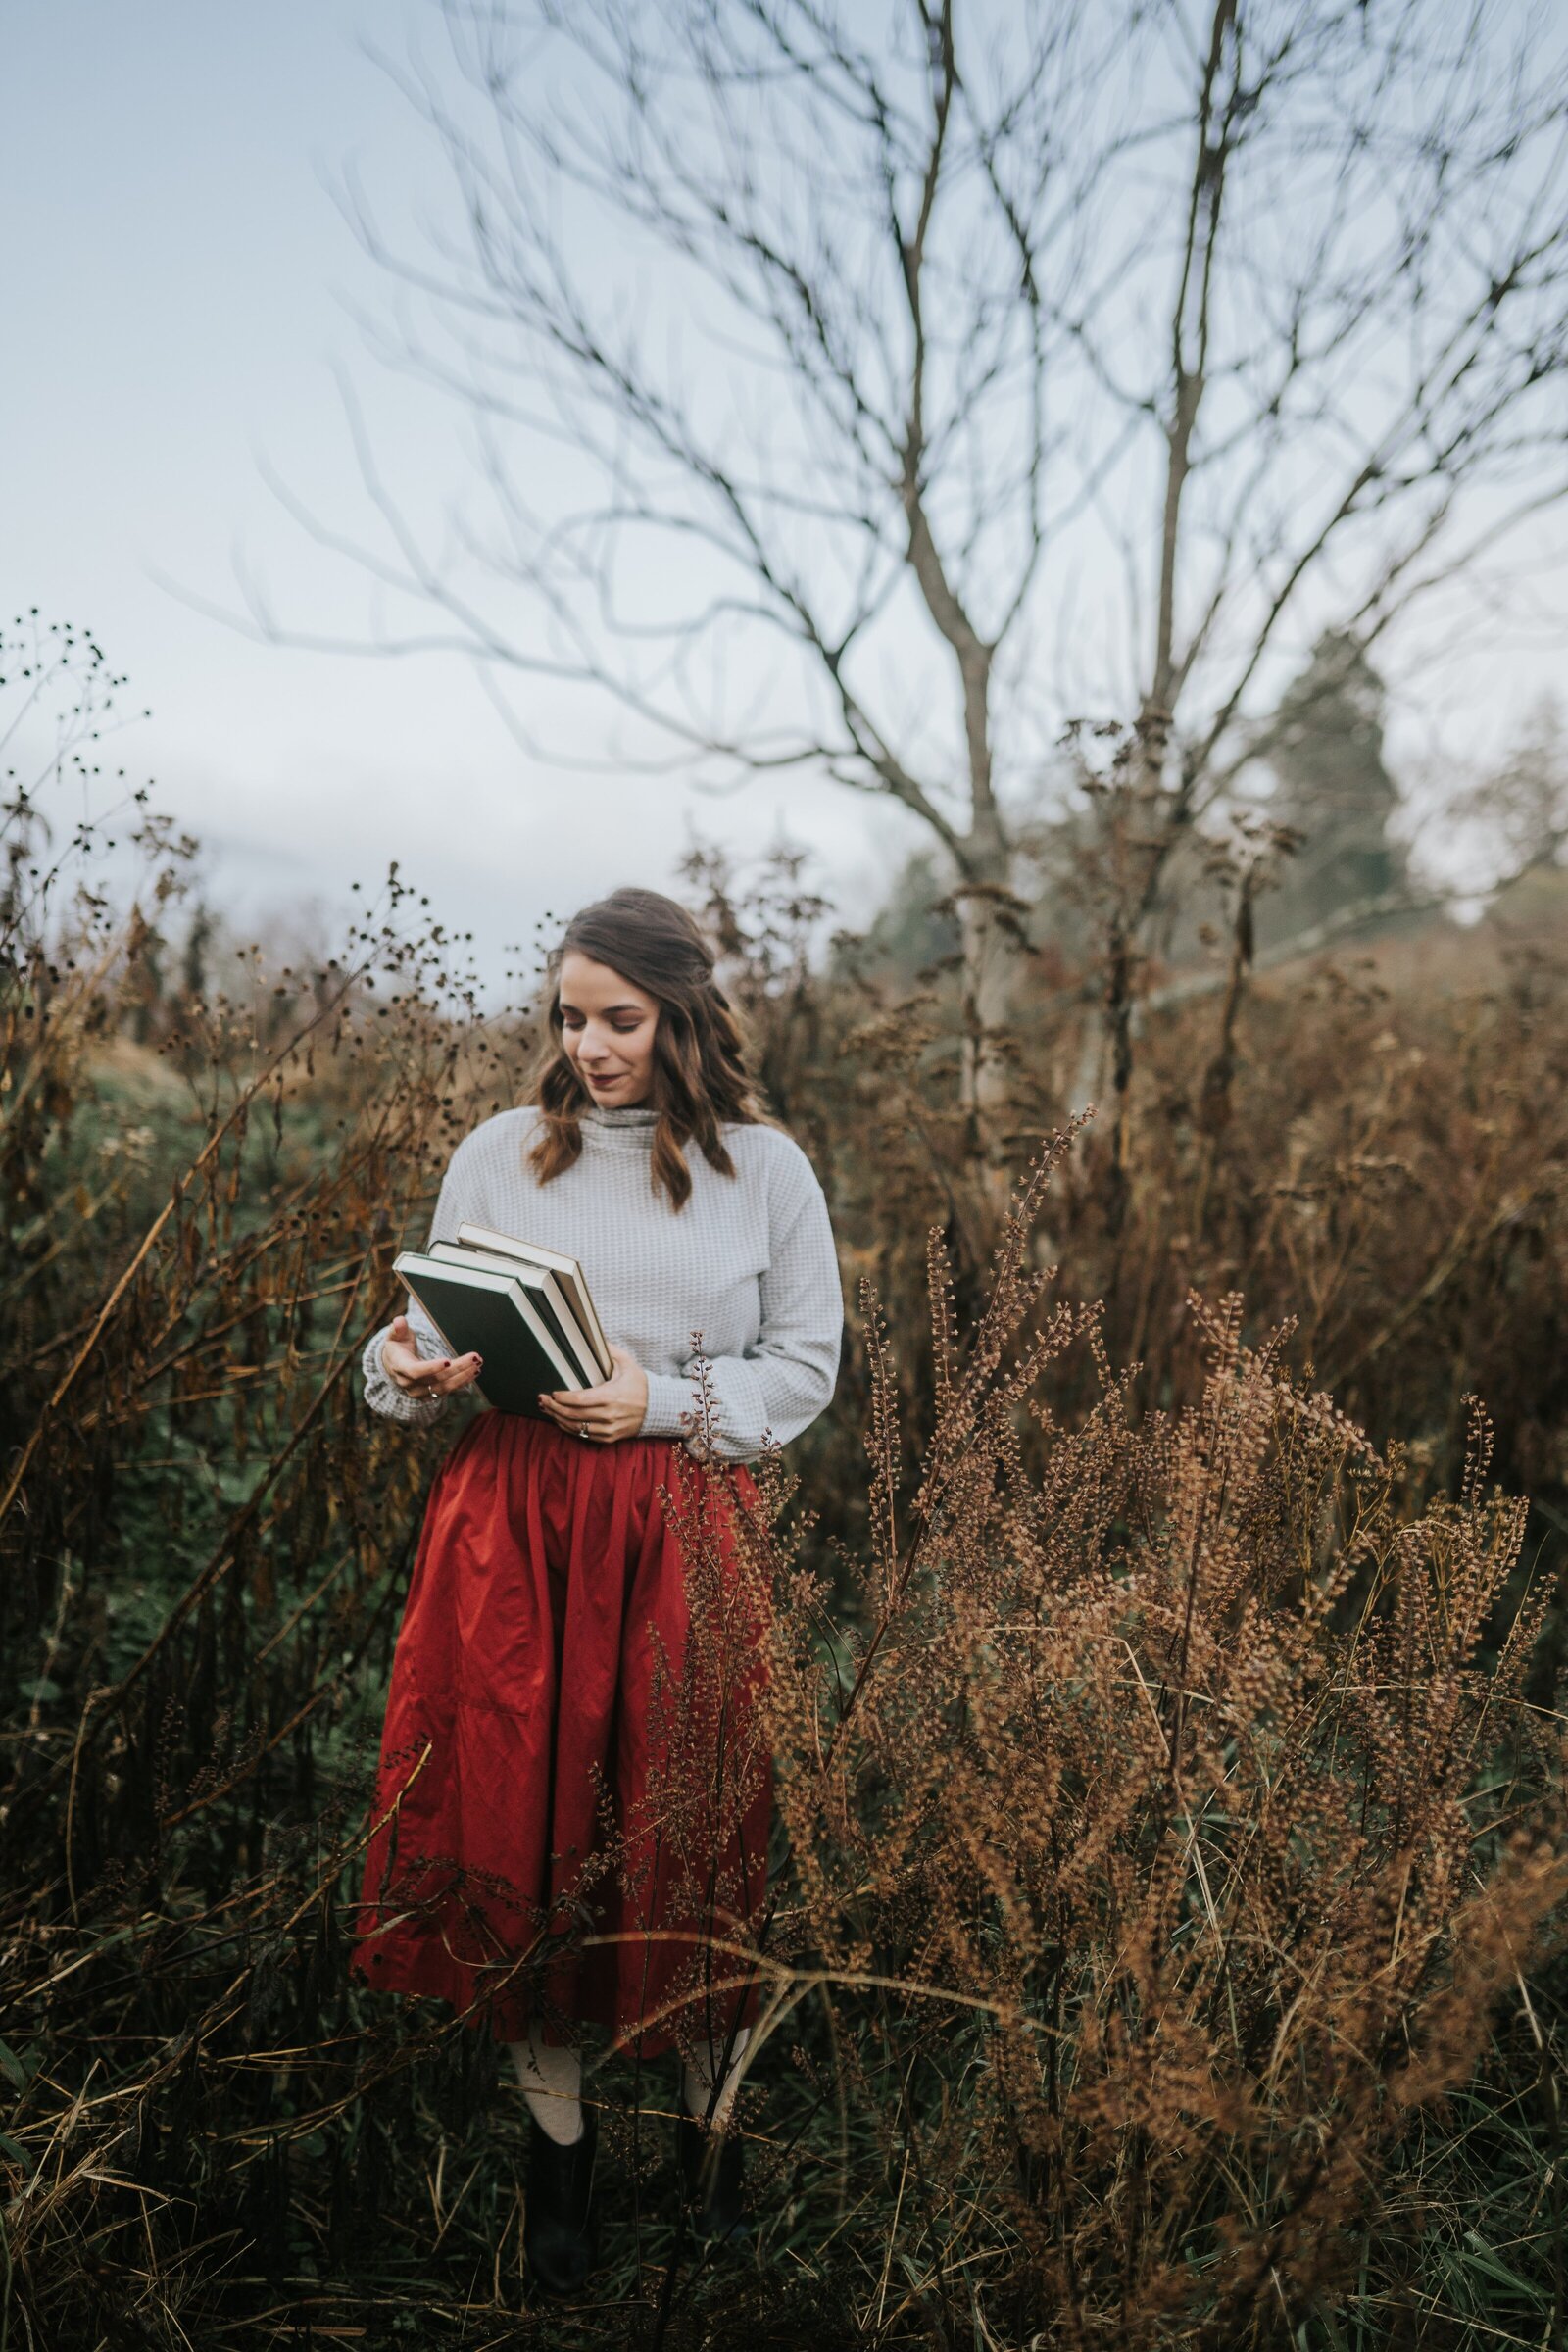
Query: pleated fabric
(573, 1801)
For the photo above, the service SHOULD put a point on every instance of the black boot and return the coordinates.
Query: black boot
(713, 2170)
(561, 2224)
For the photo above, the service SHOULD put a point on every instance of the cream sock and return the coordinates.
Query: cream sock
(551, 2083)
(697, 2078)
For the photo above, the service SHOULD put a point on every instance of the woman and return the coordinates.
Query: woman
(568, 1742)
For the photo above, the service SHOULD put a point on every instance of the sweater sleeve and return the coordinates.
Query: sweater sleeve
(781, 1384)
(459, 1201)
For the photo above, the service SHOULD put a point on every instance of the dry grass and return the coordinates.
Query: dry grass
(1168, 1772)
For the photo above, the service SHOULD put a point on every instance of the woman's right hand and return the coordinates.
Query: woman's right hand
(419, 1375)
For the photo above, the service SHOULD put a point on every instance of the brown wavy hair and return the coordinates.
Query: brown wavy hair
(700, 1079)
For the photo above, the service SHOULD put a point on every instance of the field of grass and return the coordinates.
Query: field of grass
(1164, 1681)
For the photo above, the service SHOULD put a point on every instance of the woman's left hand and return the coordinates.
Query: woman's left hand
(614, 1409)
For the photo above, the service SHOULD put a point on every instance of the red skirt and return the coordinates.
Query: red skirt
(574, 1799)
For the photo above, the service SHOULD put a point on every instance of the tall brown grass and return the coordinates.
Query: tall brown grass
(1169, 1833)
(1159, 1810)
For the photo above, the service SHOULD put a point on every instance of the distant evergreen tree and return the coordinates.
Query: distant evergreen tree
(193, 975)
(914, 931)
(1331, 787)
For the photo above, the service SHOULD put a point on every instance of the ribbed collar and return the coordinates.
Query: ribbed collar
(630, 1130)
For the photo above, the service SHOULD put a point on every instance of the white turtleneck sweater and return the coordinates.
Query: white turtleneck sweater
(745, 1275)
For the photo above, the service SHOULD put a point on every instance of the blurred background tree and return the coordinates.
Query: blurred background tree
(1330, 789)
(1521, 807)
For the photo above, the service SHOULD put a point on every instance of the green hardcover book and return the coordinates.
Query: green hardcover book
(497, 1316)
(567, 1271)
(548, 1298)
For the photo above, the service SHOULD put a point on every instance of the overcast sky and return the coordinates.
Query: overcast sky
(177, 277)
(178, 284)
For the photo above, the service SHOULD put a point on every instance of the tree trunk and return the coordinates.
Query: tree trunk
(995, 955)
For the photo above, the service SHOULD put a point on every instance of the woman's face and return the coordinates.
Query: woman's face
(608, 1027)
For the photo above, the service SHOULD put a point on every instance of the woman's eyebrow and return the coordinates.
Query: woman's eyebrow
(567, 1005)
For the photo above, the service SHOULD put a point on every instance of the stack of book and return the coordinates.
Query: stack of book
(526, 1311)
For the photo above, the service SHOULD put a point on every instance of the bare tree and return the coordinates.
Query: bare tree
(1520, 808)
(865, 392)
